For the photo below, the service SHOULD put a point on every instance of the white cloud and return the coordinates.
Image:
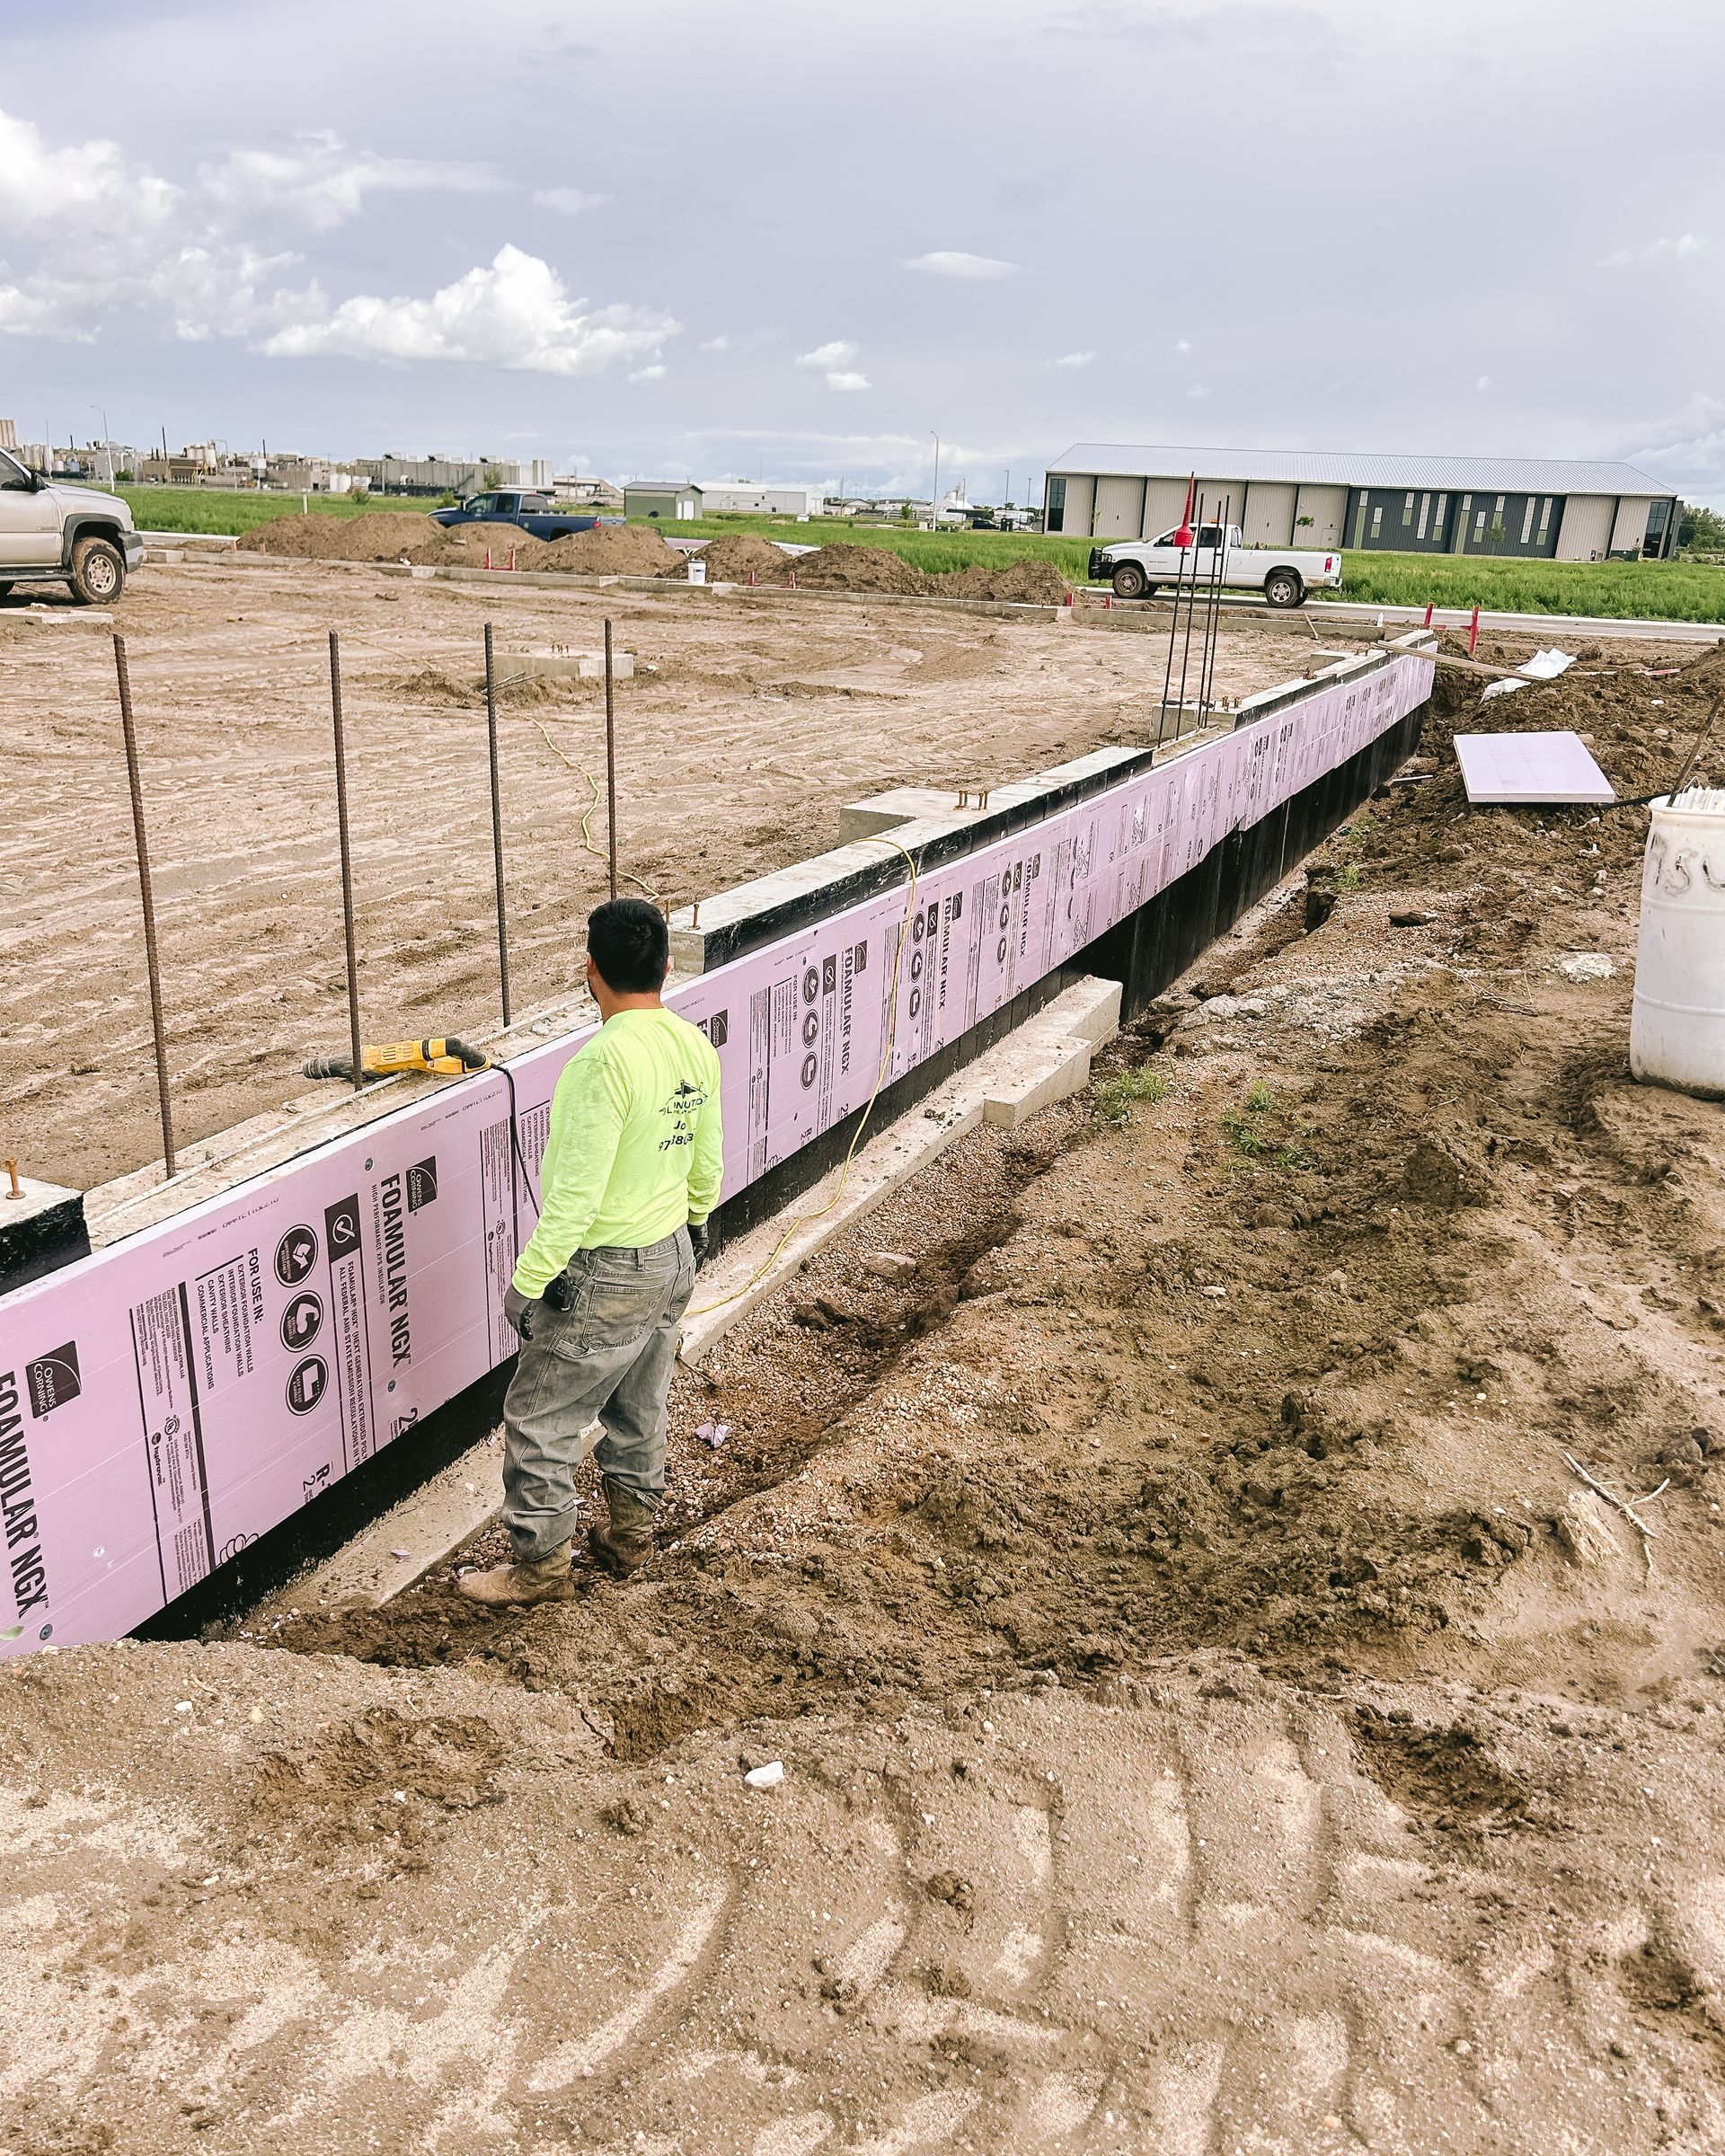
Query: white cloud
(716, 344)
(946, 262)
(117, 247)
(1182, 344)
(830, 359)
(1484, 382)
(1199, 389)
(319, 183)
(89, 182)
(568, 201)
(1685, 247)
(647, 374)
(1072, 359)
(516, 314)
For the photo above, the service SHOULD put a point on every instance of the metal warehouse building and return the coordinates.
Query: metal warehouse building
(1551, 510)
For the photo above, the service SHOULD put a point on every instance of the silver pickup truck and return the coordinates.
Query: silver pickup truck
(1284, 574)
(51, 534)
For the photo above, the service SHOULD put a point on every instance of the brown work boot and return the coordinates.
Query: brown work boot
(624, 1544)
(539, 1579)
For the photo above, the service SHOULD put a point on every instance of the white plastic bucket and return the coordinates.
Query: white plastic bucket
(1676, 1030)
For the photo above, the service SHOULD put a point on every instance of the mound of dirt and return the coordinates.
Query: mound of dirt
(379, 535)
(1031, 583)
(466, 545)
(735, 556)
(845, 568)
(611, 549)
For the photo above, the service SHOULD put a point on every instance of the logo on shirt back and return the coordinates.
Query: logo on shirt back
(686, 1101)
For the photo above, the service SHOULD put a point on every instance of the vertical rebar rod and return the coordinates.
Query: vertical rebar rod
(347, 862)
(1191, 607)
(148, 896)
(496, 826)
(610, 762)
(1213, 613)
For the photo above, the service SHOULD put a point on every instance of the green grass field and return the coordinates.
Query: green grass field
(1666, 591)
(1672, 591)
(212, 510)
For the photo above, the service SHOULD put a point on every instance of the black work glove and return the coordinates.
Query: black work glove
(518, 1310)
(700, 1238)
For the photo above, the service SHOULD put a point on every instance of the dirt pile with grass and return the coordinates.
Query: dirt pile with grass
(1031, 583)
(379, 535)
(734, 557)
(611, 549)
(843, 567)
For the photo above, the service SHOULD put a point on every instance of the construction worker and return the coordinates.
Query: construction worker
(631, 1171)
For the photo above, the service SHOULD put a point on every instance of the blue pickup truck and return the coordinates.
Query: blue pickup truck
(535, 513)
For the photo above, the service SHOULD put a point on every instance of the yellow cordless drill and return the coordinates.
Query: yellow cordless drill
(446, 1058)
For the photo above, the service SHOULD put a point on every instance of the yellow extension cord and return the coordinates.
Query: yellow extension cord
(803, 1219)
(586, 832)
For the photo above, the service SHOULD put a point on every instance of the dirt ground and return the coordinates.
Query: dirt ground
(748, 723)
(1215, 1720)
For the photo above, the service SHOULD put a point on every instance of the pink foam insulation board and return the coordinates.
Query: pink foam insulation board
(168, 1400)
(1505, 769)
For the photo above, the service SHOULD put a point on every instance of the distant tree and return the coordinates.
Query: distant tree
(1701, 528)
(905, 514)
(122, 478)
(491, 478)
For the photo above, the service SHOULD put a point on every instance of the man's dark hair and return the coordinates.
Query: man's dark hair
(628, 941)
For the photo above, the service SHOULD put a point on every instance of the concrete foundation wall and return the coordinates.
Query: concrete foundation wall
(218, 1374)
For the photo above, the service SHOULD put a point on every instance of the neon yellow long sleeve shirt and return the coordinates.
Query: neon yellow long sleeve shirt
(635, 1147)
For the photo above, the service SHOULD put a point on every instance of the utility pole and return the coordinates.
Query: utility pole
(935, 501)
(107, 446)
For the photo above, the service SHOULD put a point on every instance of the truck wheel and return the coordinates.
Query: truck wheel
(98, 573)
(1283, 587)
(1129, 581)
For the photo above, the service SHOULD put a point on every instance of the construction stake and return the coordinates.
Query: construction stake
(147, 895)
(610, 762)
(496, 825)
(347, 863)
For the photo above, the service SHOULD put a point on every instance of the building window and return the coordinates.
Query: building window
(1407, 510)
(1544, 518)
(1377, 520)
(1527, 521)
(1479, 527)
(1425, 511)
(1057, 505)
(1437, 516)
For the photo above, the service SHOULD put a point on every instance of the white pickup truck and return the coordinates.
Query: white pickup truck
(1284, 574)
(56, 534)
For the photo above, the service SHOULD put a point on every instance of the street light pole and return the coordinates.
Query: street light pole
(935, 503)
(107, 446)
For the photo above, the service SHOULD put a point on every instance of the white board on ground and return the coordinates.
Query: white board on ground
(1507, 769)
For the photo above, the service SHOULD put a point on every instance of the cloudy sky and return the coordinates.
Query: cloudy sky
(687, 237)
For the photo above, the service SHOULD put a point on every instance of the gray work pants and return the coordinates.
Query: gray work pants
(608, 1357)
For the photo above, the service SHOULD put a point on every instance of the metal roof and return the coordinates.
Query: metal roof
(1321, 468)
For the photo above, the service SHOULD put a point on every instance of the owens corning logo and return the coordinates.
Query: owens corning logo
(53, 1379)
(422, 1184)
